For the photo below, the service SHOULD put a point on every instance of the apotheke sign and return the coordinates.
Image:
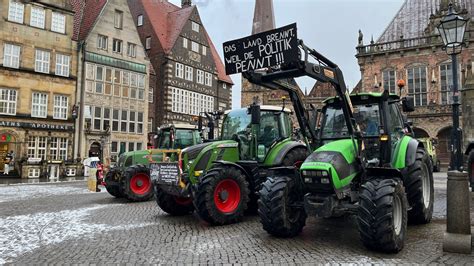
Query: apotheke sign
(35, 125)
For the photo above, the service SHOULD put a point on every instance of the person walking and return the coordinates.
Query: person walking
(8, 160)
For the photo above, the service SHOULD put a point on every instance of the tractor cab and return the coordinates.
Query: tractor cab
(256, 138)
(178, 136)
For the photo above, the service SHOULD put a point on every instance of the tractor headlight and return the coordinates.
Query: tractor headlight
(324, 180)
(315, 176)
(308, 180)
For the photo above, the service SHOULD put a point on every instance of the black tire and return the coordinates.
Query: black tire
(137, 183)
(294, 156)
(378, 215)
(275, 207)
(207, 206)
(418, 176)
(114, 190)
(173, 205)
(470, 169)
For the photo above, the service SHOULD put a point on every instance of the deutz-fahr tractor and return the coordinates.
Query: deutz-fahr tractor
(218, 179)
(130, 178)
(364, 163)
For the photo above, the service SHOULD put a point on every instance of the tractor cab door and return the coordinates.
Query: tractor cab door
(396, 126)
(274, 127)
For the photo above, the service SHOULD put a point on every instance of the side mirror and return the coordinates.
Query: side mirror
(254, 111)
(408, 104)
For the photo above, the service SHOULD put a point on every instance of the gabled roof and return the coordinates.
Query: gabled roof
(168, 21)
(86, 14)
(413, 17)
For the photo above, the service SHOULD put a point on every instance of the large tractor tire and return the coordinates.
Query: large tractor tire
(295, 157)
(137, 183)
(280, 207)
(114, 190)
(222, 196)
(382, 215)
(420, 189)
(173, 205)
(470, 169)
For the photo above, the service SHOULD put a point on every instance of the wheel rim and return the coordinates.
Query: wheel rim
(425, 182)
(182, 201)
(140, 184)
(397, 214)
(227, 196)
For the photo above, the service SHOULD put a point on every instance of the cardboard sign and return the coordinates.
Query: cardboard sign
(166, 173)
(266, 49)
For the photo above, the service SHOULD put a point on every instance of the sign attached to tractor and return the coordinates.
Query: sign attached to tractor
(164, 173)
(266, 49)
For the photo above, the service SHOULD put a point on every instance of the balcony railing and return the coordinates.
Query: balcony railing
(425, 41)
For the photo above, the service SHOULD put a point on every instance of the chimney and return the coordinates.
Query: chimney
(185, 3)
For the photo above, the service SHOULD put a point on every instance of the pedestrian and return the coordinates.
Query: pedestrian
(12, 161)
(7, 160)
(99, 175)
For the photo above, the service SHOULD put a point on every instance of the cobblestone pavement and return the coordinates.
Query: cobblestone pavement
(63, 223)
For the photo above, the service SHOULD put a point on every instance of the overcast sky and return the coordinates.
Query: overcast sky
(329, 26)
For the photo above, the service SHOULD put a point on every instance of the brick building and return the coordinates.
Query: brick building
(112, 90)
(410, 48)
(37, 86)
(190, 76)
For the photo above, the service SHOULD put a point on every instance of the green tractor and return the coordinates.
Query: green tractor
(130, 178)
(429, 144)
(363, 162)
(220, 179)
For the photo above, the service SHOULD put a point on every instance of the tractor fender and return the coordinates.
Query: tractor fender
(469, 148)
(412, 146)
(278, 159)
(232, 164)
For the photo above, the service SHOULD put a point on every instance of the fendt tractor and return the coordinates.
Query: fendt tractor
(130, 177)
(381, 174)
(252, 140)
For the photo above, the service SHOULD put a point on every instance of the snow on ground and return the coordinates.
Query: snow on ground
(24, 233)
(24, 192)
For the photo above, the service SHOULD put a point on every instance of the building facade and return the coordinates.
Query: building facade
(37, 86)
(190, 76)
(411, 49)
(112, 90)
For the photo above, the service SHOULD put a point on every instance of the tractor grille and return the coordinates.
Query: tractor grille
(318, 181)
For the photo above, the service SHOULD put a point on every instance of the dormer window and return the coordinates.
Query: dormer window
(195, 26)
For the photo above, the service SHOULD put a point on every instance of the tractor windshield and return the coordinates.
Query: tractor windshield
(235, 122)
(366, 115)
(183, 138)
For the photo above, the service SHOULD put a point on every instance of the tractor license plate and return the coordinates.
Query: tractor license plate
(164, 173)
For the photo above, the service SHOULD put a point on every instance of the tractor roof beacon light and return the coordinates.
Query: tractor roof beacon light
(452, 28)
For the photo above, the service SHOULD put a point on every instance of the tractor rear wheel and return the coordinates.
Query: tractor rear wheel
(174, 205)
(470, 169)
(280, 207)
(295, 157)
(420, 189)
(137, 183)
(382, 215)
(222, 196)
(114, 190)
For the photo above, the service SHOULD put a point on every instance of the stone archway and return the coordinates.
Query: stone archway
(95, 150)
(9, 141)
(443, 149)
(420, 133)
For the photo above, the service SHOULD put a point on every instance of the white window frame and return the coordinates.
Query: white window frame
(150, 95)
(60, 107)
(131, 49)
(118, 19)
(139, 122)
(204, 50)
(102, 42)
(11, 55)
(179, 70)
(16, 11)
(58, 148)
(37, 17)
(58, 22)
(62, 65)
(194, 46)
(208, 79)
(116, 44)
(412, 90)
(42, 58)
(140, 20)
(185, 42)
(132, 122)
(39, 104)
(200, 76)
(8, 101)
(37, 147)
(148, 43)
(188, 73)
(195, 26)
(150, 124)
(389, 80)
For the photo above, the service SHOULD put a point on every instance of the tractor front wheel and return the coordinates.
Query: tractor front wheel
(173, 205)
(114, 190)
(420, 189)
(222, 196)
(470, 169)
(280, 207)
(137, 183)
(382, 215)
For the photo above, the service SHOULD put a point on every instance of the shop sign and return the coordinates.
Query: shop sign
(36, 125)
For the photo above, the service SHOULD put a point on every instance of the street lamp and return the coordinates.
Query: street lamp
(452, 28)
(458, 222)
